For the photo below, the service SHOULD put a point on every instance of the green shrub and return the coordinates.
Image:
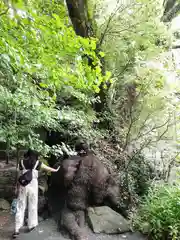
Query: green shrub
(159, 214)
(141, 173)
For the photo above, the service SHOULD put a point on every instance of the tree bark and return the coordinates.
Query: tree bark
(171, 9)
(78, 14)
(83, 26)
(168, 4)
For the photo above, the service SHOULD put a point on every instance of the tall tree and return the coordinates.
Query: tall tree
(171, 9)
(83, 26)
(78, 13)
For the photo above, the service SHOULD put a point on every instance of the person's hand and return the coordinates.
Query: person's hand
(57, 169)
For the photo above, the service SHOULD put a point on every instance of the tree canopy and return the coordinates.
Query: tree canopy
(43, 62)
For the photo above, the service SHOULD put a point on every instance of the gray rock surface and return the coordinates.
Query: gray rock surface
(7, 180)
(105, 220)
(47, 230)
(42, 181)
(4, 205)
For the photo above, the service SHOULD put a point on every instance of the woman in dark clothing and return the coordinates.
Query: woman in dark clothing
(30, 191)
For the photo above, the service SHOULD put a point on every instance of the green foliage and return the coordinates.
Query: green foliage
(141, 174)
(159, 214)
(133, 37)
(141, 97)
(42, 62)
(23, 109)
(43, 45)
(134, 33)
(78, 123)
(143, 108)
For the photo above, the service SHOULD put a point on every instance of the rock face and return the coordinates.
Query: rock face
(42, 183)
(105, 220)
(4, 205)
(7, 180)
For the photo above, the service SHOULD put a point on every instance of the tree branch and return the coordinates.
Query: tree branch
(129, 129)
(131, 158)
(116, 33)
(4, 12)
(155, 128)
(110, 19)
(170, 166)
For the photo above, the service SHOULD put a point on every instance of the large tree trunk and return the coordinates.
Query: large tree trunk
(79, 17)
(83, 26)
(171, 9)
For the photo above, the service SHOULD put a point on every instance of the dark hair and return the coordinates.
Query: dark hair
(31, 156)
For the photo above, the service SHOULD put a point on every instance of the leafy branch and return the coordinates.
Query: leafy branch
(4, 12)
(118, 10)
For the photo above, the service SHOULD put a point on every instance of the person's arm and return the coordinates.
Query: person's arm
(49, 169)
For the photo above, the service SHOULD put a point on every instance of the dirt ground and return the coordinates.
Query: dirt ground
(48, 230)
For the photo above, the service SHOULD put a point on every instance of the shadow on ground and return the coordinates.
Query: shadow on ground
(48, 229)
